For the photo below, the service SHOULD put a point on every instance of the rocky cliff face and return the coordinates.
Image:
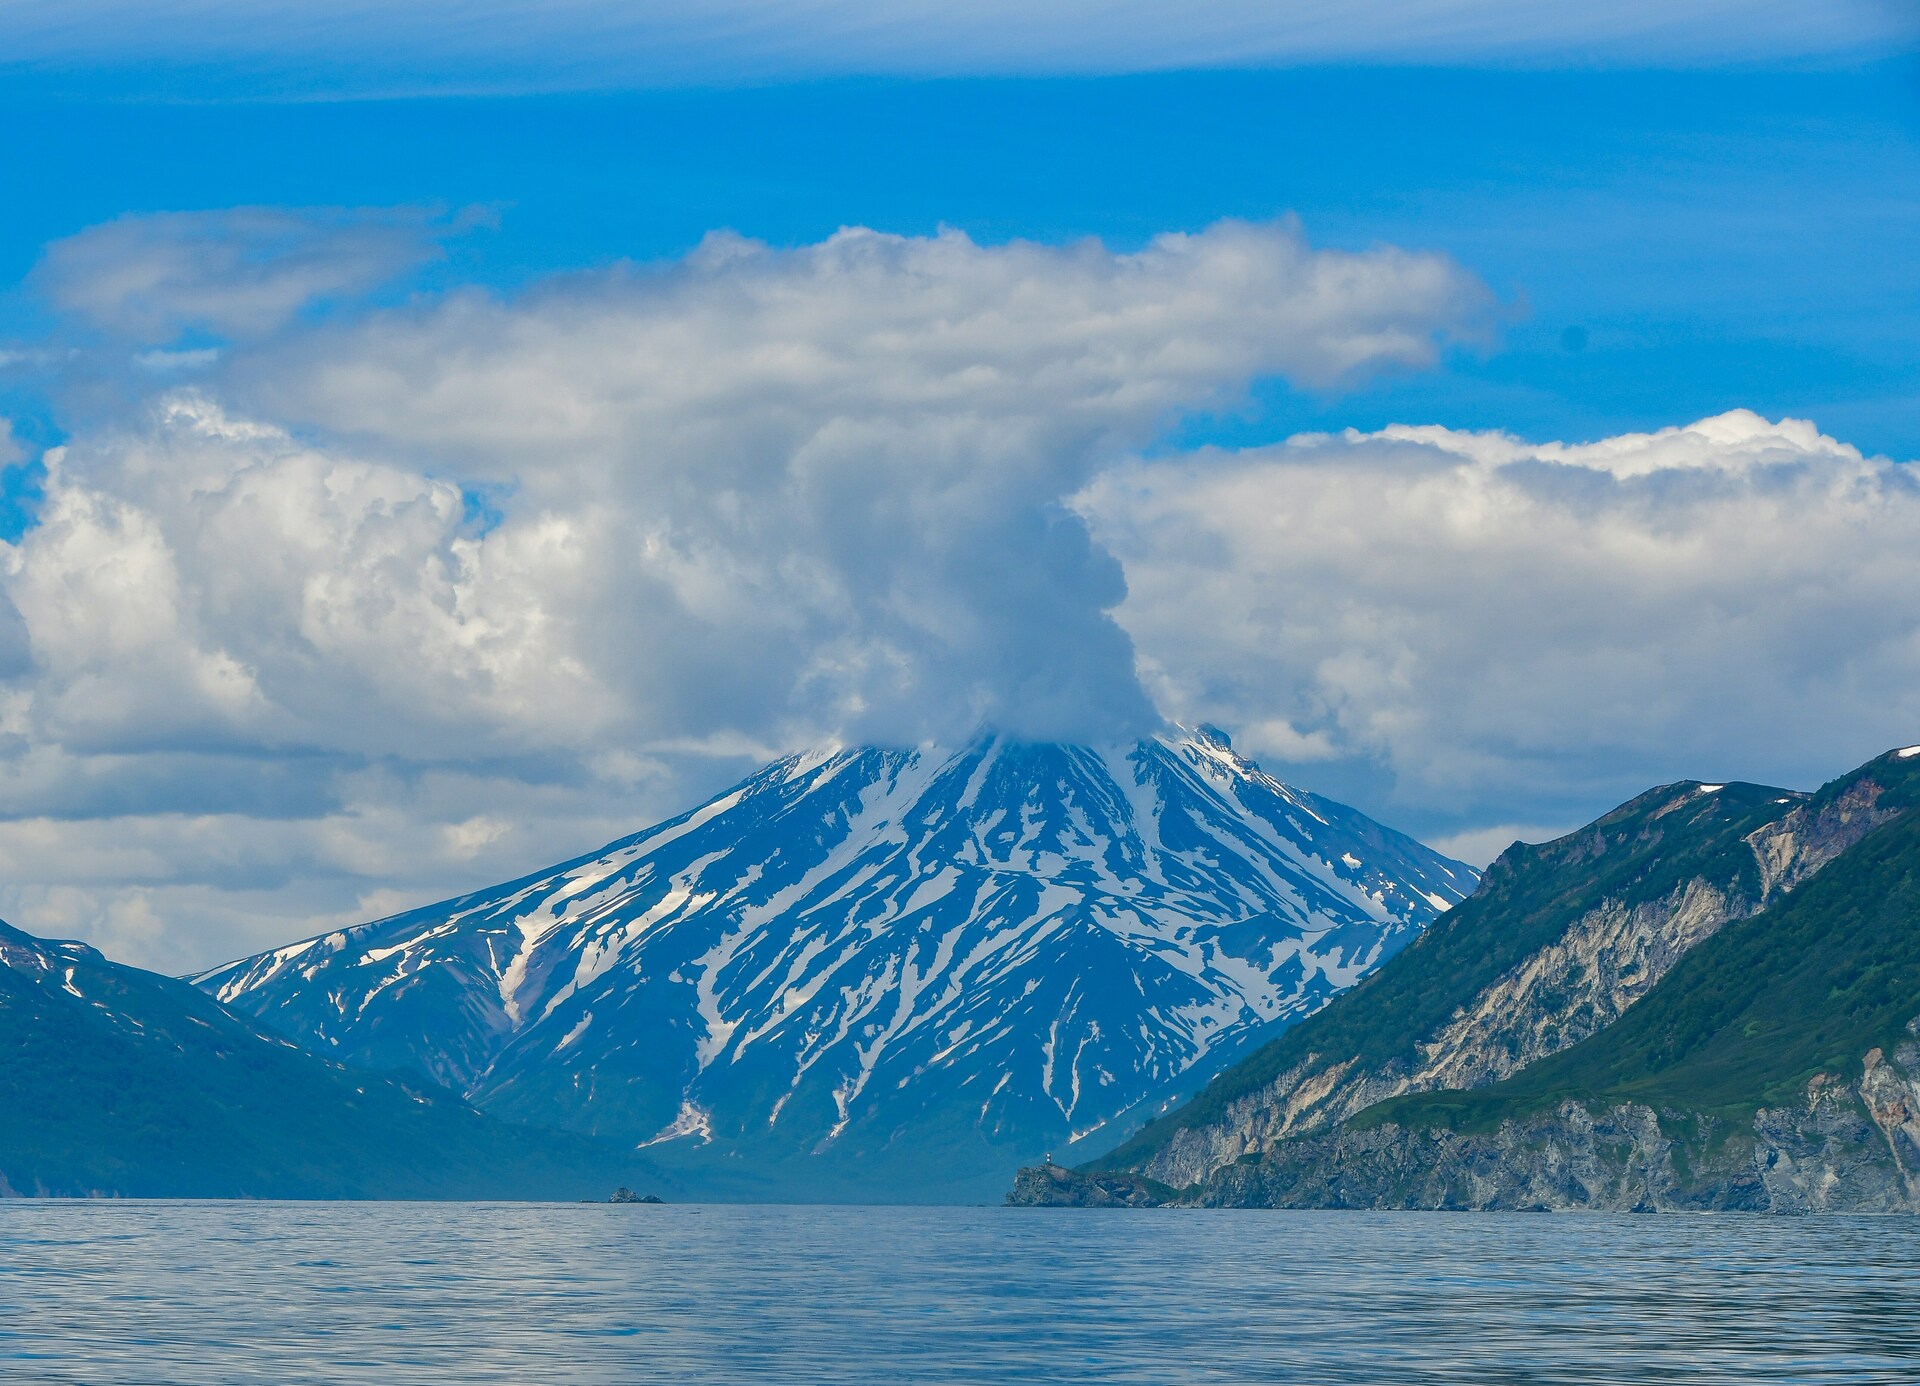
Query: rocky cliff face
(1847, 1147)
(1056, 1186)
(1814, 833)
(1569, 990)
(1573, 987)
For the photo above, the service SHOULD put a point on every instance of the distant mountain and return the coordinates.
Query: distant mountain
(881, 973)
(117, 1082)
(1708, 998)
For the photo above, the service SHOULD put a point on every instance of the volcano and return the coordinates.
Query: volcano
(883, 974)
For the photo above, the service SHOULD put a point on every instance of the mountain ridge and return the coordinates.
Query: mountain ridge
(1743, 1076)
(124, 1083)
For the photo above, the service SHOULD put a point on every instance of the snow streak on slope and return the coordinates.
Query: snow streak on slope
(931, 958)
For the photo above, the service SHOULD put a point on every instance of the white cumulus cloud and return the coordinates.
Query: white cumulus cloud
(1513, 628)
(413, 600)
(772, 491)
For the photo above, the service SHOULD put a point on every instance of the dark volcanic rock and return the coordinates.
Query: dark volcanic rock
(1055, 1186)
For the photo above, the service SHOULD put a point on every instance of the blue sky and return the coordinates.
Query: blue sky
(517, 612)
(1706, 238)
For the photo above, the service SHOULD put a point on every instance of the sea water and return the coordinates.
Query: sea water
(521, 1293)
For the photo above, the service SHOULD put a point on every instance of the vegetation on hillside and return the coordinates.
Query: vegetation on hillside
(1528, 899)
(1745, 1020)
(120, 1082)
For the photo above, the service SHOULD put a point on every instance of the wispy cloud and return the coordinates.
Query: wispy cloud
(236, 272)
(356, 47)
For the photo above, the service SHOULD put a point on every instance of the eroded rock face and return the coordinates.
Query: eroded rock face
(1809, 837)
(1847, 1147)
(1304, 1097)
(1571, 989)
(1618, 1160)
(1560, 995)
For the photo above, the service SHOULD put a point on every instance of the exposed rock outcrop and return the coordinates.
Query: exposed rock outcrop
(1573, 987)
(1056, 1186)
(1847, 1147)
(1810, 836)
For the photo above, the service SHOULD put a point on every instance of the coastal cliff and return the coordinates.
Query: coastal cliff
(1737, 1033)
(1846, 1147)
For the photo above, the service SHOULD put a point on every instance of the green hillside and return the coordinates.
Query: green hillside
(1805, 987)
(121, 1082)
(1527, 900)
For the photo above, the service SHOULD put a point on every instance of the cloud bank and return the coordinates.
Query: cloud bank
(392, 603)
(1536, 628)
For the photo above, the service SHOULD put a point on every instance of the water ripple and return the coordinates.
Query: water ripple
(519, 1293)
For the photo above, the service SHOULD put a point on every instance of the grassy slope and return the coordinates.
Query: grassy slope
(143, 1086)
(1527, 900)
(1747, 1018)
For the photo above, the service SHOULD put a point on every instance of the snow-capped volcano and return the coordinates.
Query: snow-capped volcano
(881, 971)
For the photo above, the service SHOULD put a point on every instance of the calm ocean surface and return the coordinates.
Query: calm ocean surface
(470, 1293)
